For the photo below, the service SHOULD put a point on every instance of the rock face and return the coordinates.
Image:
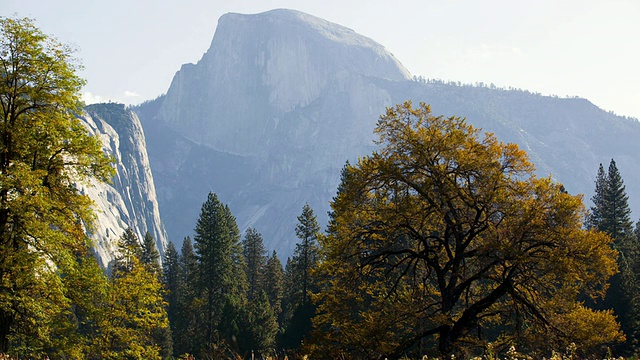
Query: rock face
(269, 115)
(260, 68)
(130, 201)
(266, 119)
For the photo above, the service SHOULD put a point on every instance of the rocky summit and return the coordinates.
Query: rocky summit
(281, 100)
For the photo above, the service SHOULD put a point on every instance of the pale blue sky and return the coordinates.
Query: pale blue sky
(589, 48)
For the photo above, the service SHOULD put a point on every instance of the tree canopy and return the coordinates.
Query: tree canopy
(446, 239)
(44, 152)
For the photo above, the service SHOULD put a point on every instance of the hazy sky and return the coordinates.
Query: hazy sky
(590, 48)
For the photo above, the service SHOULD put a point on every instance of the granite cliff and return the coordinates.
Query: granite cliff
(130, 200)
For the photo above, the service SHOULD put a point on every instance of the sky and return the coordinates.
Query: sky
(131, 49)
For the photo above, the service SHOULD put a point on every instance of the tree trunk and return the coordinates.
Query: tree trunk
(6, 320)
(445, 343)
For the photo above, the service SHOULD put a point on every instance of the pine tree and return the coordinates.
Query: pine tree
(189, 267)
(260, 320)
(221, 269)
(128, 249)
(307, 251)
(256, 260)
(171, 279)
(595, 216)
(610, 213)
(274, 284)
(150, 255)
(260, 327)
(186, 335)
(616, 217)
(298, 308)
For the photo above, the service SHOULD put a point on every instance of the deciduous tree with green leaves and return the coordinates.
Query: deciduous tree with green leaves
(44, 151)
(135, 323)
(446, 239)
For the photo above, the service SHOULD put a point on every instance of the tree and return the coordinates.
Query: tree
(255, 256)
(260, 320)
(610, 213)
(171, 277)
(136, 322)
(596, 215)
(307, 250)
(443, 239)
(305, 257)
(260, 326)
(274, 284)
(150, 256)
(129, 251)
(78, 333)
(298, 308)
(221, 269)
(186, 334)
(616, 215)
(44, 150)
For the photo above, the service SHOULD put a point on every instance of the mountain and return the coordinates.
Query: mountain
(130, 201)
(282, 99)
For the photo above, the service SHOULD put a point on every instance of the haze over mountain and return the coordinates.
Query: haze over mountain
(130, 201)
(269, 115)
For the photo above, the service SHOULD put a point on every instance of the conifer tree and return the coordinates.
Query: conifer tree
(171, 277)
(256, 259)
(186, 335)
(260, 322)
(598, 199)
(171, 280)
(274, 284)
(610, 213)
(307, 250)
(298, 308)
(221, 270)
(616, 217)
(261, 327)
(150, 255)
(128, 249)
(189, 266)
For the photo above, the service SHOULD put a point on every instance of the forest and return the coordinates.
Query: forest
(441, 243)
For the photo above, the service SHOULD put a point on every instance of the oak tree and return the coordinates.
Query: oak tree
(44, 152)
(446, 239)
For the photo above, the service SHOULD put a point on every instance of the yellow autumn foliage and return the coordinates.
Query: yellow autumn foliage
(444, 240)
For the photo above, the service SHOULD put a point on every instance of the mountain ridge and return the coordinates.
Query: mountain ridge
(285, 141)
